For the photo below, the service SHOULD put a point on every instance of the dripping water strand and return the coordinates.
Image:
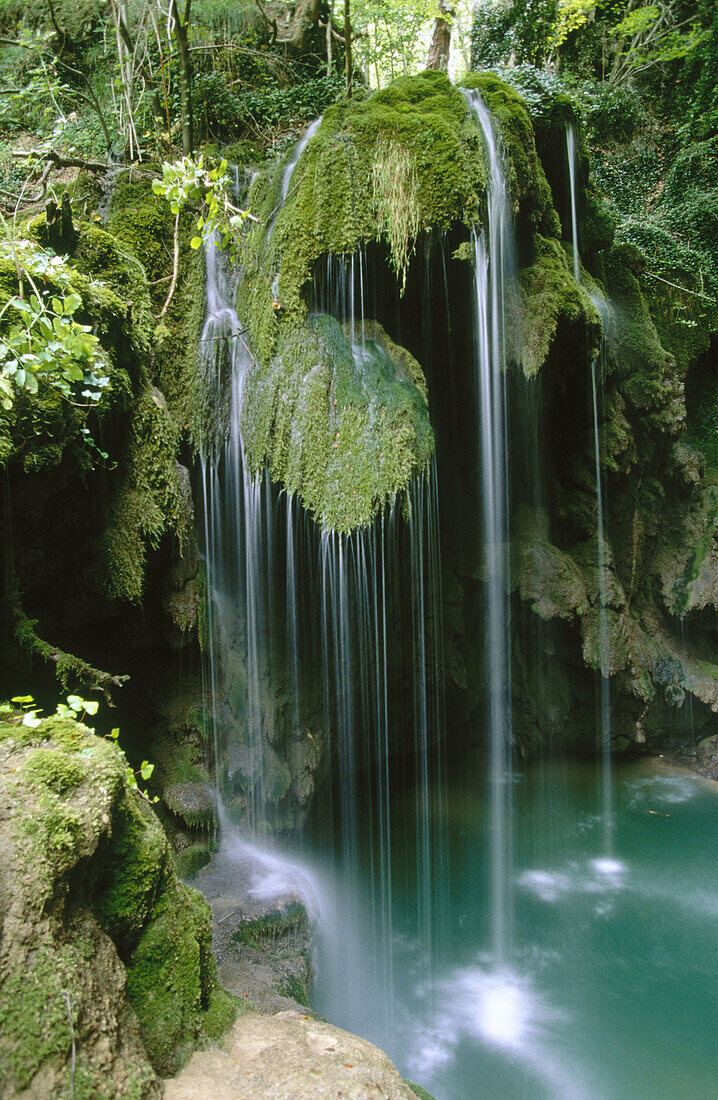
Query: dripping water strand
(494, 269)
(604, 653)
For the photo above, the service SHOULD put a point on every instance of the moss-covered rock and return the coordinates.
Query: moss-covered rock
(419, 129)
(107, 972)
(552, 300)
(341, 419)
(529, 187)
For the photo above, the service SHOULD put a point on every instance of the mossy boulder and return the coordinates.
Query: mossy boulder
(341, 419)
(107, 973)
(553, 301)
(419, 130)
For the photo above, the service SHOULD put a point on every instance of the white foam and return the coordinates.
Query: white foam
(596, 876)
(609, 867)
(549, 886)
(499, 1009)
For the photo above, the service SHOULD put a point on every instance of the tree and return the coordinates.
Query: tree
(441, 39)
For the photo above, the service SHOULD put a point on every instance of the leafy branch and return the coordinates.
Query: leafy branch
(43, 344)
(192, 183)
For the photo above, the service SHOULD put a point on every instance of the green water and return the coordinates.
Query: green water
(610, 988)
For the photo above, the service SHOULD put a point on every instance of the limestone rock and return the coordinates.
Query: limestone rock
(289, 1055)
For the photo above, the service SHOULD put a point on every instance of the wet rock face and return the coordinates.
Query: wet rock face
(262, 934)
(106, 973)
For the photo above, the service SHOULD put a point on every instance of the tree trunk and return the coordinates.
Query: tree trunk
(441, 39)
(348, 46)
(291, 24)
(180, 33)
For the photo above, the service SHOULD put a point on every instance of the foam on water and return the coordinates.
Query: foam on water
(591, 877)
(671, 789)
(497, 1009)
(267, 874)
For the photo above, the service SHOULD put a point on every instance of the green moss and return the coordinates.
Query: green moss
(646, 372)
(333, 204)
(552, 298)
(295, 988)
(81, 843)
(142, 223)
(419, 1091)
(171, 980)
(345, 429)
(271, 926)
(527, 180)
(100, 254)
(150, 499)
(34, 1022)
(138, 859)
(191, 860)
(54, 769)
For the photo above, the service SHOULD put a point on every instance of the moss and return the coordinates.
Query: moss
(137, 856)
(647, 374)
(150, 499)
(171, 980)
(88, 860)
(333, 205)
(194, 802)
(99, 253)
(552, 298)
(419, 1091)
(142, 223)
(344, 427)
(271, 926)
(295, 988)
(190, 861)
(54, 769)
(34, 1021)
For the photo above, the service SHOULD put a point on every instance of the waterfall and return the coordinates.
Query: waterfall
(604, 655)
(495, 270)
(598, 364)
(323, 647)
(237, 534)
(571, 152)
(289, 169)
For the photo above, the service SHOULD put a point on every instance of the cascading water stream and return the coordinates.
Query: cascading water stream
(604, 655)
(571, 153)
(360, 634)
(495, 270)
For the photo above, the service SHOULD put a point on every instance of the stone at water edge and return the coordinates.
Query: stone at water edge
(289, 1057)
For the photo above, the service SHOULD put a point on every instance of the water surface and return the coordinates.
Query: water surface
(608, 987)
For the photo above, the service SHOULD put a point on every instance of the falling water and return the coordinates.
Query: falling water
(604, 654)
(290, 167)
(355, 656)
(237, 534)
(597, 372)
(571, 151)
(495, 267)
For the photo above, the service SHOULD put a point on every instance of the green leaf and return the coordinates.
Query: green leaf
(115, 733)
(31, 720)
(72, 304)
(196, 243)
(91, 706)
(146, 769)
